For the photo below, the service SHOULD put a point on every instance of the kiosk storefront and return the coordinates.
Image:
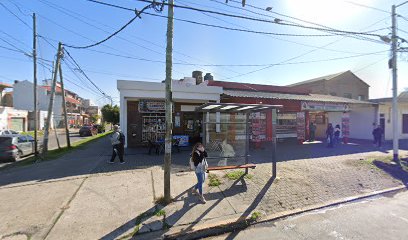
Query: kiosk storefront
(142, 110)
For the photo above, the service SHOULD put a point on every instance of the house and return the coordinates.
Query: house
(11, 118)
(23, 100)
(385, 115)
(344, 84)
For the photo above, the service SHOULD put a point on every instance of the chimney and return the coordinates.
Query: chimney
(198, 75)
(208, 76)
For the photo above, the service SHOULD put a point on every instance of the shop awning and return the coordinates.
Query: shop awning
(235, 107)
(299, 97)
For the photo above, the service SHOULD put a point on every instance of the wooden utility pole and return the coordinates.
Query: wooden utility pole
(169, 103)
(35, 85)
(64, 107)
(51, 104)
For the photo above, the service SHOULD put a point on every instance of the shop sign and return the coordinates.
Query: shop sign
(301, 125)
(148, 106)
(330, 107)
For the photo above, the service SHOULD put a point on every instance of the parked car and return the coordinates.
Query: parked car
(87, 131)
(100, 128)
(7, 132)
(13, 147)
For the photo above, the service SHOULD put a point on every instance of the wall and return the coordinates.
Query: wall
(385, 109)
(348, 83)
(6, 113)
(361, 121)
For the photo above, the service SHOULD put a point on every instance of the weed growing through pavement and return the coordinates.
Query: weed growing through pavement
(160, 213)
(235, 175)
(255, 216)
(214, 181)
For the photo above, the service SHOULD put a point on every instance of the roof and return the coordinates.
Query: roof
(57, 88)
(5, 85)
(283, 96)
(256, 87)
(403, 97)
(72, 100)
(325, 78)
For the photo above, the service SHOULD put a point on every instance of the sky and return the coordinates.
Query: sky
(138, 52)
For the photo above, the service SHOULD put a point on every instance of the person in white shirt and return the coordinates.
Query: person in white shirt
(118, 145)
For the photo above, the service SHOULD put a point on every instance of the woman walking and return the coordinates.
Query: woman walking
(198, 156)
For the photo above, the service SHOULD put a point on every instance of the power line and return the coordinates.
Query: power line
(295, 18)
(86, 76)
(366, 6)
(138, 13)
(11, 12)
(14, 46)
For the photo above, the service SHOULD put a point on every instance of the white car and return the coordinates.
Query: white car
(6, 132)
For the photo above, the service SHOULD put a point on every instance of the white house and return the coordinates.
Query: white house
(142, 109)
(385, 116)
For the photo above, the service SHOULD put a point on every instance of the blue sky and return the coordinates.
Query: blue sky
(80, 22)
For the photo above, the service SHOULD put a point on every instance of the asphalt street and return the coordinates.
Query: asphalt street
(383, 217)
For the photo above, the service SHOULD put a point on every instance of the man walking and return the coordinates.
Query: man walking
(312, 130)
(118, 144)
(377, 133)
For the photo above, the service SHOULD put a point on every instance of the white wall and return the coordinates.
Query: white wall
(335, 118)
(23, 98)
(386, 110)
(361, 121)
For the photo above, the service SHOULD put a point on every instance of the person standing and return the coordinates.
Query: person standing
(377, 133)
(329, 135)
(337, 132)
(312, 130)
(200, 163)
(118, 144)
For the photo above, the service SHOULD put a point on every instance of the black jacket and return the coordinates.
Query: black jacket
(198, 158)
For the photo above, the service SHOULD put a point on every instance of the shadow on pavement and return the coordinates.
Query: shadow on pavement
(397, 171)
(189, 202)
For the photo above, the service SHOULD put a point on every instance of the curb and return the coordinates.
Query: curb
(240, 222)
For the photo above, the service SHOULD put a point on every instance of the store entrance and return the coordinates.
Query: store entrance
(192, 126)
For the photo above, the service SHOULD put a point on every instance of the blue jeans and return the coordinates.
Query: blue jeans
(200, 181)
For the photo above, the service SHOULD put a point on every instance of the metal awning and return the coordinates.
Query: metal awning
(235, 107)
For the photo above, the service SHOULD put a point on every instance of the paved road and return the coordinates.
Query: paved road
(383, 217)
(53, 143)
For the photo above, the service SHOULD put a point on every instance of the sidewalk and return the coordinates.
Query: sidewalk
(80, 196)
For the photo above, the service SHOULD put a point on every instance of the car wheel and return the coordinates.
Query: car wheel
(18, 156)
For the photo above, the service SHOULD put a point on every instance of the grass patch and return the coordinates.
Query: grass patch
(40, 133)
(160, 213)
(56, 153)
(235, 175)
(387, 160)
(255, 216)
(214, 181)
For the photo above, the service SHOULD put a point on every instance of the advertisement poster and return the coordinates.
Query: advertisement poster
(301, 125)
(183, 140)
(345, 125)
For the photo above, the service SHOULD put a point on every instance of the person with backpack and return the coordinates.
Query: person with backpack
(199, 164)
(118, 145)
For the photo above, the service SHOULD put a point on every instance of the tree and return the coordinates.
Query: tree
(110, 114)
(95, 118)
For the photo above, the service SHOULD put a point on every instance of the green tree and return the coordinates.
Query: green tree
(110, 114)
(95, 118)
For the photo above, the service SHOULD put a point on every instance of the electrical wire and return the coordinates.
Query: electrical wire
(11, 12)
(276, 21)
(366, 6)
(138, 13)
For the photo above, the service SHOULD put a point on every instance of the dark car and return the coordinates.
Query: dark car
(100, 128)
(13, 147)
(87, 131)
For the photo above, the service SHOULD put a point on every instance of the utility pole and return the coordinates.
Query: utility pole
(64, 107)
(394, 86)
(169, 103)
(35, 85)
(51, 104)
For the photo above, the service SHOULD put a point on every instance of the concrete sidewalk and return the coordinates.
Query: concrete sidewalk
(80, 196)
